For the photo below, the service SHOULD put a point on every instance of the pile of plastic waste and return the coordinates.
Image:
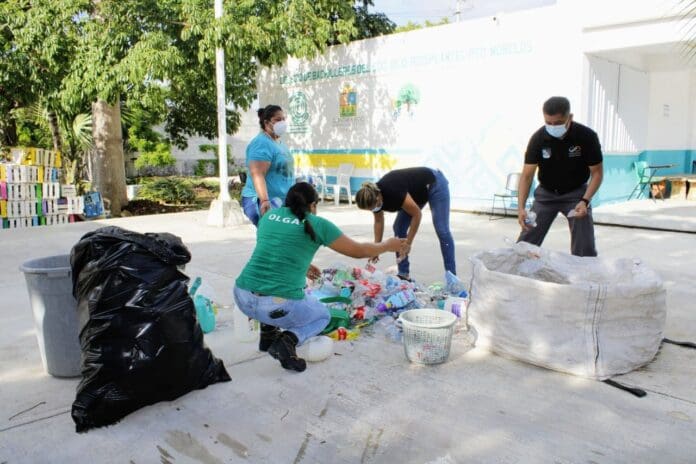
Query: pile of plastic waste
(358, 298)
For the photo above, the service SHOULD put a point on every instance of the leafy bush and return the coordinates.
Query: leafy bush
(160, 156)
(171, 190)
(154, 152)
(206, 167)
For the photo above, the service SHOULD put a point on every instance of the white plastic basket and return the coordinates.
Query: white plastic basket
(427, 335)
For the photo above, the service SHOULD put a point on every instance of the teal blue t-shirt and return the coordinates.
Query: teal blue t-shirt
(283, 253)
(281, 172)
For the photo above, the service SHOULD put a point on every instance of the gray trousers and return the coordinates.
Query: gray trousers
(547, 204)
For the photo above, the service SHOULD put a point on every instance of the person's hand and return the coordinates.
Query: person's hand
(313, 273)
(521, 217)
(373, 260)
(403, 252)
(395, 244)
(264, 206)
(580, 210)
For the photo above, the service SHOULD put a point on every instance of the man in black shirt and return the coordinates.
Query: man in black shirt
(567, 155)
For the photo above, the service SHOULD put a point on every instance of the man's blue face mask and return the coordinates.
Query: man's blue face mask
(556, 131)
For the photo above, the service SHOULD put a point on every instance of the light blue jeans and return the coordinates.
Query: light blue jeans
(305, 318)
(439, 200)
(250, 206)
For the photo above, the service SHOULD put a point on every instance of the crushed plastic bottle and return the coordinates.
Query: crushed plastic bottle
(530, 220)
(388, 327)
(454, 285)
(397, 300)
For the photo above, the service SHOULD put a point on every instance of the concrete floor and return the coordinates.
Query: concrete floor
(367, 403)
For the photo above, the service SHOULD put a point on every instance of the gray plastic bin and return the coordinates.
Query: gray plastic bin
(49, 284)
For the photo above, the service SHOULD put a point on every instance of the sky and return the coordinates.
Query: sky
(418, 11)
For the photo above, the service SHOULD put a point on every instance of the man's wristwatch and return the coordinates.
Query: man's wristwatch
(587, 202)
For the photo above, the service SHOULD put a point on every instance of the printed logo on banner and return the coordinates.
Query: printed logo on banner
(348, 102)
(406, 101)
(299, 113)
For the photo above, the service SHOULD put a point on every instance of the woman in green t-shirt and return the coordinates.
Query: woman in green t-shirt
(270, 288)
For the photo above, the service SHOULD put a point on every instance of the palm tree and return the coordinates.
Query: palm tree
(71, 135)
(688, 12)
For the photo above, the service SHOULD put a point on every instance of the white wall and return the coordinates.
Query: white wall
(481, 82)
(238, 141)
(618, 101)
(670, 116)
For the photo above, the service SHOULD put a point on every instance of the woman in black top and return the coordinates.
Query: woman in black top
(406, 191)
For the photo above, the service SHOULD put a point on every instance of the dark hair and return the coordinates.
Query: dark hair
(557, 105)
(366, 197)
(298, 199)
(265, 114)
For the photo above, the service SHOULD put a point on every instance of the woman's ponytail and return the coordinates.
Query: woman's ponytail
(299, 198)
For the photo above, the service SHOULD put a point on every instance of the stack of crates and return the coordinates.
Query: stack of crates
(30, 191)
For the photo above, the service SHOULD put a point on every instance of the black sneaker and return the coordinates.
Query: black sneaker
(269, 334)
(283, 349)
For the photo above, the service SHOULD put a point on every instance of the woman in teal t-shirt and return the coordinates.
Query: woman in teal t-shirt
(270, 288)
(270, 167)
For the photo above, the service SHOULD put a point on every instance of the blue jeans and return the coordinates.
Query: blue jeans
(439, 200)
(250, 205)
(305, 318)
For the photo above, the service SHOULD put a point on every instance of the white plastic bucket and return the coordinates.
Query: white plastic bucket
(427, 335)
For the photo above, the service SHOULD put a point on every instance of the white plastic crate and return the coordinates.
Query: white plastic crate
(17, 192)
(50, 207)
(57, 219)
(76, 205)
(12, 172)
(14, 209)
(19, 223)
(51, 190)
(68, 191)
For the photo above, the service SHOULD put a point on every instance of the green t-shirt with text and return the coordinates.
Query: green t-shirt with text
(283, 253)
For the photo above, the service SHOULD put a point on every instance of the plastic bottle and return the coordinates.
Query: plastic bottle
(453, 284)
(388, 327)
(276, 202)
(530, 220)
(342, 333)
(205, 313)
(397, 300)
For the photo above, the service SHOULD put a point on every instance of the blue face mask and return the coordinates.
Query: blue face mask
(556, 131)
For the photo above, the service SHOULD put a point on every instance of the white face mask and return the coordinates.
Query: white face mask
(556, 131)
(280, 127)
(377, 209)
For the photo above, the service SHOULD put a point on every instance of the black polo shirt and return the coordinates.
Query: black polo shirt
(397, 183)
(564, 163)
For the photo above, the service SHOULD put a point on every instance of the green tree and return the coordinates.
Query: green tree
(368, 24)
(688, 11)
(411, 26)
(158, 55)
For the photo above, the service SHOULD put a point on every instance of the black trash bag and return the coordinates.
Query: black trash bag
(140, 339)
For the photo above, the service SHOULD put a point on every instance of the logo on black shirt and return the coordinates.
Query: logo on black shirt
(574, 151)
(546, 153)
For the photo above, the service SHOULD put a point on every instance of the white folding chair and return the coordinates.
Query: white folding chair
(343, 174)
(511, 184)
(317, 177)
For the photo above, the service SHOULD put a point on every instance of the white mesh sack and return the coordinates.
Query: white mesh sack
(591, 317)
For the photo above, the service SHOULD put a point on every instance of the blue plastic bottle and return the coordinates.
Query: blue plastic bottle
(397, 300)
